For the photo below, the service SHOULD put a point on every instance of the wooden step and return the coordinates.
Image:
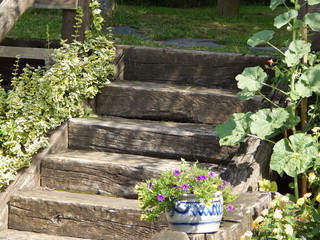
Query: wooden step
(149, 138)
(98, 217)
(79, 215)
(145, 100)
(102, 172)
(23, 235)
(183, 67)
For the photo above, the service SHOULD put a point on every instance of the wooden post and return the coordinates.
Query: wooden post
(10, 11)
(68, 21)
(227, 8)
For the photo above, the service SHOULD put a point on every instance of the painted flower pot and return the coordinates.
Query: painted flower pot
(191, 216)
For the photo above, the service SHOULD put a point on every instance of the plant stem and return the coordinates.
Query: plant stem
(296, 187)
(271, 45)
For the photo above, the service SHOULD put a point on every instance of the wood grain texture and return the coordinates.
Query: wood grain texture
(10, 11)
(165, 102)
(149, 138)
(183, 67)
(79, 215)
(56, 4)
(102, 172)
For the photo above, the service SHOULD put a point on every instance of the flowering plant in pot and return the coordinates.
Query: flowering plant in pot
(186, 195)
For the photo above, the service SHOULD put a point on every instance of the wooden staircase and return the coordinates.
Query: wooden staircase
(149, 118)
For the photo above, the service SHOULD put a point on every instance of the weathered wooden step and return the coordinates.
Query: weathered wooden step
(79, 215)
(183, 67)
(147, 100)
(23, 235)
(102, 172)
(149, 138)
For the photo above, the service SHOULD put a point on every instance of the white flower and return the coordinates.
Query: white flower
(276, 230)
(97, 11)
(265, 212)
(307, 195)
(284, 199)
(277, 214)
(248, 234)
(288, 229)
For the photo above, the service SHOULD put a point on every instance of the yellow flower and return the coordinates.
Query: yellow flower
(277, 214)
(208, 204)
(318, 197)
(265, 212)
(312, 177)
(300, 201)
(288, 229)
(256, 222)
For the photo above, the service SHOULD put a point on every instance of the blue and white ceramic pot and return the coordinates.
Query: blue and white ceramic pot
(191, 216)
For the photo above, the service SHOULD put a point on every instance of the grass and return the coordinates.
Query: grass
(34, 23)
(160, 23)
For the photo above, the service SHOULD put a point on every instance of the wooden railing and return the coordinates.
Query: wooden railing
(10, 11)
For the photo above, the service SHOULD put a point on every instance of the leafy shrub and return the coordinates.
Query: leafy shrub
(43, 98)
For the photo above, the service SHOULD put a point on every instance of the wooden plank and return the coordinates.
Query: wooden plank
(29, 53)
(56, 4)
(10, 11)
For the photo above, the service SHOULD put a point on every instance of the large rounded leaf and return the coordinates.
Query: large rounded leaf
(276, 3)
(313, 2)
(294, 155)
(296, 51)
(309, 82)
(260, 37)
(235, 130)
(266, 123)
(285, 18)
(251, 79)
(313, 20)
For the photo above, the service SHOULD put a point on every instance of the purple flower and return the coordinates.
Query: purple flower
(176, 172)
(230, 208)
(185, 186)
(203, 177)
(161, 197)
(224, 183)
(150, 185)
(174, 185)
(221, 187)
(211, 174)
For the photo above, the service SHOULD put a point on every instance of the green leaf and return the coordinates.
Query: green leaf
(276, 3)
(267, 123)
(309, 82)
(251, 79)
(313, 20)
(296, 51)
(313, 2)
(260, 37)
(235, 130)
(285, 18)
(294, 155)
(245, 94)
